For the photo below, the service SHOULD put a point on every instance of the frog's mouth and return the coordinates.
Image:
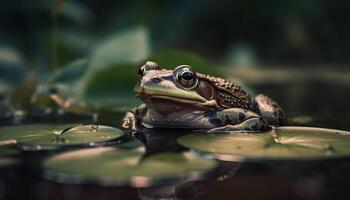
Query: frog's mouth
(153, 97)
(168, 94)
(170, 103)
(167, 97)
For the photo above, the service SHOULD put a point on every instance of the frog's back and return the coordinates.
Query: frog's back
(229, 94)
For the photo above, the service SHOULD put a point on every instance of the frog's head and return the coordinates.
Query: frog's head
(181, 85)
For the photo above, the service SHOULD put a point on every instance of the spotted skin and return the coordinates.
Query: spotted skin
(239, 119)
(270, 110)
(249, 125)
(229, 94)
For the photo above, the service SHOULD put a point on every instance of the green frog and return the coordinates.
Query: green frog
(183, 98)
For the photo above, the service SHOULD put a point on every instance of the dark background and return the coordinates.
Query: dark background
(284, 32)
(295, 51)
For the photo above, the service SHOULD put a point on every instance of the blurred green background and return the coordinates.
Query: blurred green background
(292, 31)
(88, 51)
(77, 61)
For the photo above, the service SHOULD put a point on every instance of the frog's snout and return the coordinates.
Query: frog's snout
(152, 82)
(143, 84)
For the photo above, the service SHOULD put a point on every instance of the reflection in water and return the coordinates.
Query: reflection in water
(164, 140)
(161, 140)
(304, 186)
(190, 189)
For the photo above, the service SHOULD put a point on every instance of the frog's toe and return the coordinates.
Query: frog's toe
(126, 123)
(129, 121)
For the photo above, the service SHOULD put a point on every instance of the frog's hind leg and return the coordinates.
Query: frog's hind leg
(239, 120)
(270, 110)
(250, 125)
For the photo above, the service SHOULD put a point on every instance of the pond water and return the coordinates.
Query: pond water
(48, 175)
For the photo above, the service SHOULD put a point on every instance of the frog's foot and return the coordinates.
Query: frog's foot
(256, 124)
(129, 121)
(238, 119)
(270, 110)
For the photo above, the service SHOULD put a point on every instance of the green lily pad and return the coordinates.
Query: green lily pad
(120, 166)
(283, 143)
(38, 137)
(91, 134)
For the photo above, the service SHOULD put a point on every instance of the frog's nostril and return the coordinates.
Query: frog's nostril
(156, 79)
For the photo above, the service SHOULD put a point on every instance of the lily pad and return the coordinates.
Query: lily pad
(283, 143)
(120, 166)
(44, 137)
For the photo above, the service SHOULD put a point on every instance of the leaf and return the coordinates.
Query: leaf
(129, 46)
(283, 143)
(118, 166)
(111, 74)
(64, 89)
(112, 87)
(39, 137)
(90, 134)
(109, 89)
(70, 73)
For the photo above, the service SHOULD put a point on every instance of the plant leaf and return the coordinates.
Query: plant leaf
(43, 136)
(119, 166)
(283, 143)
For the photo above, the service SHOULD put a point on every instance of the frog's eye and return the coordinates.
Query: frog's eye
(185, 77)
(149, 65)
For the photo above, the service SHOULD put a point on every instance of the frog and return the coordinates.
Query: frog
(183, 98)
